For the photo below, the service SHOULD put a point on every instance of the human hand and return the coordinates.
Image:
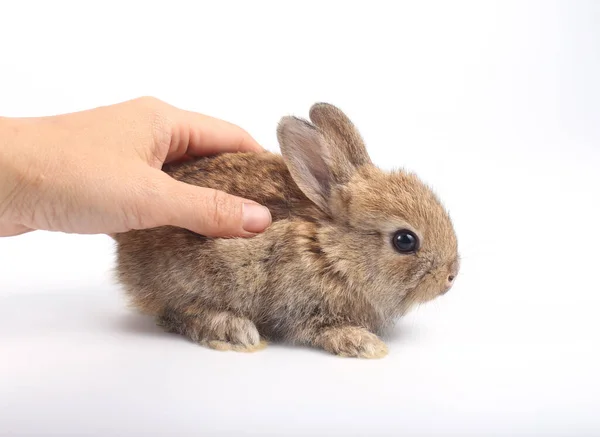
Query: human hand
(99, 171)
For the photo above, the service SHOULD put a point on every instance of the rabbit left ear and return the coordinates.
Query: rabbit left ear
(322, 156)
(307, 156)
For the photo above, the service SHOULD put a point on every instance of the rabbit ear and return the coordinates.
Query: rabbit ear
(307, 157)
(322, 156)
(348, 150)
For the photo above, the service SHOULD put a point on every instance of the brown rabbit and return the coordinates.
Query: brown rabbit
(351, 248)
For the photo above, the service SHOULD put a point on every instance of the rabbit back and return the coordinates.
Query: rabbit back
(172, 269)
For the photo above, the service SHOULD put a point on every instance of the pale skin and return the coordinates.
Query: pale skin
(99, 172)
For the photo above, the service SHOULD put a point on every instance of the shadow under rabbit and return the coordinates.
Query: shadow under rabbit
(143, 325)
(140, 324)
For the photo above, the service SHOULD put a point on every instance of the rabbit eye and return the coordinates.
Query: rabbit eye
(405, 241)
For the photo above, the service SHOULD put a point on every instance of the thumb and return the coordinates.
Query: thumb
(208, 212)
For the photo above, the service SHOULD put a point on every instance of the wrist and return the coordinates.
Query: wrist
(15, 164)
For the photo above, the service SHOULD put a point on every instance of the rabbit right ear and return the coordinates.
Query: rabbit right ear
(308, 158)
(348, 150)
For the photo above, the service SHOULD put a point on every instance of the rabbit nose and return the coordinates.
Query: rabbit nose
(449, 282)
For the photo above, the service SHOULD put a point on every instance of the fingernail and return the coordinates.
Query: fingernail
(255, 218)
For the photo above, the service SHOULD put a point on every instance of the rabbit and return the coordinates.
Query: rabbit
(351, 248)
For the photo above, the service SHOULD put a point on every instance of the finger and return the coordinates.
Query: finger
(200, 135)
(208, 212)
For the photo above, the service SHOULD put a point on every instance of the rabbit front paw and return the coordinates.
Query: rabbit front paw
(351, 341)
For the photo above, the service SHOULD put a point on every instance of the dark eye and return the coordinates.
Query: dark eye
(405, 241)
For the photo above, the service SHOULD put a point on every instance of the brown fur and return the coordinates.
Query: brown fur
(324, 274)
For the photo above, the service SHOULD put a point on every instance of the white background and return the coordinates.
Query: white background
(495, 104)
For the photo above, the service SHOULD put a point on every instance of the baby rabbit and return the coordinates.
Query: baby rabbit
(351, 248)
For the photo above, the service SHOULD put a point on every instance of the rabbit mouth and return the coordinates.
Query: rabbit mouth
(423, 289)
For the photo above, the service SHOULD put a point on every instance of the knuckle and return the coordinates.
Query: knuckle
(161, 137)
(153, 108)
(155, 113)
(221, 210)
(149, 102)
